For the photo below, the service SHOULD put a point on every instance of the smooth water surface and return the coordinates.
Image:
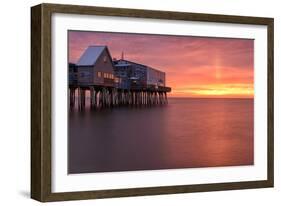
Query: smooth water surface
(186, 133)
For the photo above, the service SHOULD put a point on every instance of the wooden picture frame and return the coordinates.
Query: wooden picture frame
(41, 97)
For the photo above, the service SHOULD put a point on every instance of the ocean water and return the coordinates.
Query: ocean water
(186, 133)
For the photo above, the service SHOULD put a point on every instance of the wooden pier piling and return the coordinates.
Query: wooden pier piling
(107, 97)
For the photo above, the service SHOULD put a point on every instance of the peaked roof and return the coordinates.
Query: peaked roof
(90, 55)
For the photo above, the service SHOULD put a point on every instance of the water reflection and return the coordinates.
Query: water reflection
(185, 133)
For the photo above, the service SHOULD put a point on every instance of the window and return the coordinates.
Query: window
(105, 59)
(117, 80)
(99, 74)
(108, 75)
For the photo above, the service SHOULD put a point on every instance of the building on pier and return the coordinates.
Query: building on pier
(135, 75)
(114, 83)
(95, 67)
(122, 72)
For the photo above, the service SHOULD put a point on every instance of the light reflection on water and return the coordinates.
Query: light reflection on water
(185, 133)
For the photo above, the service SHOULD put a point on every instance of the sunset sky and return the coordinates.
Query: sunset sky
(194, 66)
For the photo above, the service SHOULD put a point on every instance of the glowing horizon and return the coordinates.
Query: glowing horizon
(194, 66)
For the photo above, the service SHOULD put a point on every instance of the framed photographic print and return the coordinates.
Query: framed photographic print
(130, 102)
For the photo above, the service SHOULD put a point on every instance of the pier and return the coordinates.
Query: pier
(109, 97)
(113, 83)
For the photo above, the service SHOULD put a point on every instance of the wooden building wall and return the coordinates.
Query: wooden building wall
(156, 77)
(85, 75)
(101, 73)
(105, 66)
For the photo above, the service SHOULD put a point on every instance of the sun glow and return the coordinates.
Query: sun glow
(216, 90)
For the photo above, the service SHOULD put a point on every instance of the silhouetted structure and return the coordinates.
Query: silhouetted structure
(114, 83)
